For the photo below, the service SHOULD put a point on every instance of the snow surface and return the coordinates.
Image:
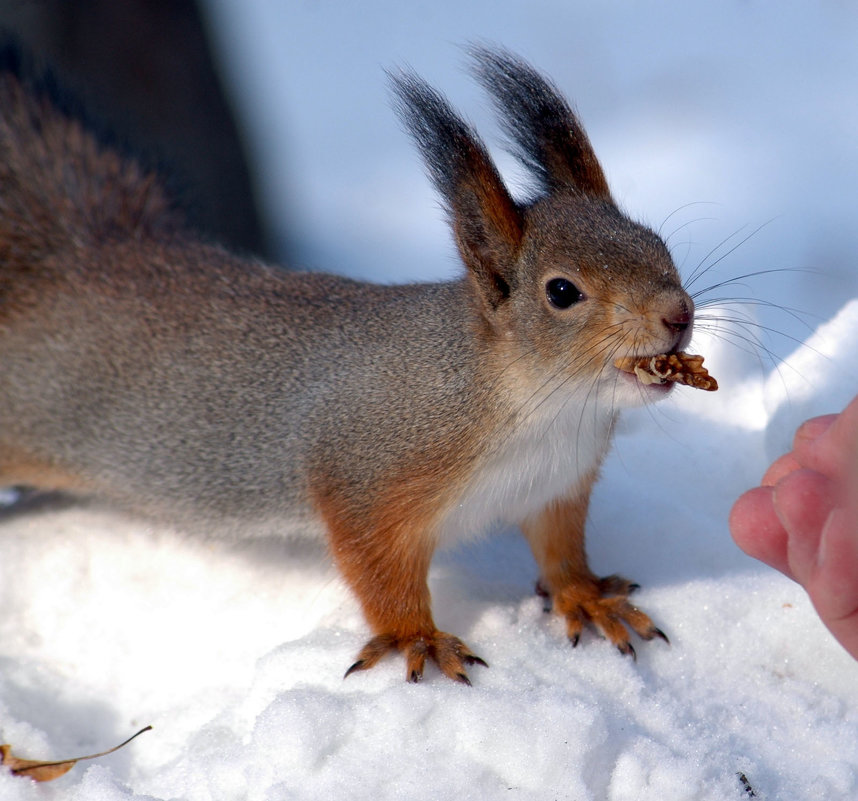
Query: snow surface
(235, 651)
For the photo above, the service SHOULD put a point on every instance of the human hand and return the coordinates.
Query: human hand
(803, 519)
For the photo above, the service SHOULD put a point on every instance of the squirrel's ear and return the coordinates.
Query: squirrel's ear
(486, 221)
(546, 135)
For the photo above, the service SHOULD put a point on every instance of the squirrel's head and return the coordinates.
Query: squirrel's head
(565, 279)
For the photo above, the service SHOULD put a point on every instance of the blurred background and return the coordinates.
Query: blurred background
(731, 124)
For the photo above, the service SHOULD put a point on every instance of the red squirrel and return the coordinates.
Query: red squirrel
(161, 373)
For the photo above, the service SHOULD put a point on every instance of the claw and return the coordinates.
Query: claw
(545, 595)
(357, 666)
(603, 604)
(448, 652)
(659, 633)
(627, 649)
(616, 585)
(371, 653)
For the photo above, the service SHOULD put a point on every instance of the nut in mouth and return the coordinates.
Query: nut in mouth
(680, 367)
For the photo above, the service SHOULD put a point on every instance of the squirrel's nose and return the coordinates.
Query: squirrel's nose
(678, 322)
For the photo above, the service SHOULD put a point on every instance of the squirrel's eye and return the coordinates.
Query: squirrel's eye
(562, 293)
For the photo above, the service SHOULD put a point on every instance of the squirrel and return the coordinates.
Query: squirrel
(159, 372)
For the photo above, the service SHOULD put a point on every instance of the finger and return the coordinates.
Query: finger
(757, 530)
(834, 585)
(835, 581)
(811, 429)
(834, 450)
(805, 435)
(779, 468)
(802, 501)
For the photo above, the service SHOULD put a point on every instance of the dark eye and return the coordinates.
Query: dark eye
(562, 293)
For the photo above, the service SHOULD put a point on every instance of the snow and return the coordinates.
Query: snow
(235, 651)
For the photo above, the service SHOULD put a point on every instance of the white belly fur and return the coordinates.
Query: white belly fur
(544, 457)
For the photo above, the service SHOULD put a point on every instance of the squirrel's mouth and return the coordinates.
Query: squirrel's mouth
(644, 382)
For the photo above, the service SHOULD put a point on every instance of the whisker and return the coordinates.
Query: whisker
(698, 272)
(694, 273)
(723, 303)
(682, 208)
(760, 327)
(683, 226)
(530, 406)
(754, 274)
(597, 348)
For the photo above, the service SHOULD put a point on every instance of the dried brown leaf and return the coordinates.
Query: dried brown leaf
(45, 771)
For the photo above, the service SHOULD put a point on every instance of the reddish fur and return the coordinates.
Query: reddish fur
(498, 208)
(26, 470)
(493, 236)
(556, 537)
(384, 554)
(592, 175)
(385, 559)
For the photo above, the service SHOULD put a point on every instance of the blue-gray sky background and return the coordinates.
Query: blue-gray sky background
(748, 110)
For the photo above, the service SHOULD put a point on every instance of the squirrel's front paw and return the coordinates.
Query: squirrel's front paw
(448, 652)
(603, 603)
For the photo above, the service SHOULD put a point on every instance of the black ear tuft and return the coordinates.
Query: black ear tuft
(446, 142)
(486, 221)
(546, 135)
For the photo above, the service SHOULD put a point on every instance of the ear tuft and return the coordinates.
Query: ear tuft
(546, 135)
(487, 223)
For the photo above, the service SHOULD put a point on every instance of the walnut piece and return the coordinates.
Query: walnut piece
(683, 368)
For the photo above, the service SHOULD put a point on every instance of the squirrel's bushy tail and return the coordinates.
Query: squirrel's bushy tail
(62, 185)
